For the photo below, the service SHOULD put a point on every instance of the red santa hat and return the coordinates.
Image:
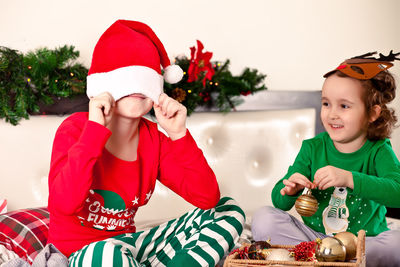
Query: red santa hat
(127, 59)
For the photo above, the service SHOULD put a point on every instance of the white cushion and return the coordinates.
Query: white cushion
(248, 151)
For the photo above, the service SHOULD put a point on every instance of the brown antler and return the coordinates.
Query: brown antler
(390, 57)
(367, 55)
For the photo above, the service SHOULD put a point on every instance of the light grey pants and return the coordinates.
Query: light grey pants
(282, 228)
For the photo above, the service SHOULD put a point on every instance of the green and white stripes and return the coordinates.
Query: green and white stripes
(199, 236)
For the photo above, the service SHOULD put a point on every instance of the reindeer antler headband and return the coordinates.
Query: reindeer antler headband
(365, 67)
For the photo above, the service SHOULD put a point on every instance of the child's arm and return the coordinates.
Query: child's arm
(183, 167)
(384, 187)
(77, 146)
(286, 190)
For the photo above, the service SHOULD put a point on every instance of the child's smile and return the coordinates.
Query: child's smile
(336, 126)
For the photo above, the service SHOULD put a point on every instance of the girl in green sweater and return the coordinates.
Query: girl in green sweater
(351, 168)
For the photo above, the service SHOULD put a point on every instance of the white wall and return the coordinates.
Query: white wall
(294, 42)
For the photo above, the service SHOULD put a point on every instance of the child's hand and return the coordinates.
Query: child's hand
(100, 108)
(171, 115)
(295, 183)
(329, 176)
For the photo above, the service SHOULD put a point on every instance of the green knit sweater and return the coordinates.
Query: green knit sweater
(376, 176)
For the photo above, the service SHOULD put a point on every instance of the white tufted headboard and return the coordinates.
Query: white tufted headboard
(248, 151)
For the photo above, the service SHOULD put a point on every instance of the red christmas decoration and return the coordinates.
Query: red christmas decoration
(200, 63)
(245, 93)
(206, 96)
(242, 253)
(305, 251)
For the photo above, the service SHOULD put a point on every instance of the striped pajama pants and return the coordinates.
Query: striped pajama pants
(198, 238)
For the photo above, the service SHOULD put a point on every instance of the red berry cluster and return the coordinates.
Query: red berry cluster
(206, 96)
(305, 251)
(242, 253)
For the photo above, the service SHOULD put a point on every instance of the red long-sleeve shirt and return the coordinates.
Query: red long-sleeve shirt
(94, 195)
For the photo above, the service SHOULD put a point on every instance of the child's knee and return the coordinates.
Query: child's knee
(382, 250)
(229, 207)
(264, 221)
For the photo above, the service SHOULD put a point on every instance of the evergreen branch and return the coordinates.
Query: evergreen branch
(37, 77)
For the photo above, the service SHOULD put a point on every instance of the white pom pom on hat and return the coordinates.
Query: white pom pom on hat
(173, 74)
(127, 59)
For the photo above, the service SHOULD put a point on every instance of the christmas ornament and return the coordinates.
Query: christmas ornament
(277, 254)
(305, 251)
(349, 240)
(256, 248)
(306, 205)
(330, 249)
(54, 74)
(210, 84)
(242, 253)
(178, 94)
(200, 64)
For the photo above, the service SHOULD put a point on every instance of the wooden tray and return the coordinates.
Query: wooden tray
(231, 260)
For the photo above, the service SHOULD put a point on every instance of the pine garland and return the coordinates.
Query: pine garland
(40, 76)
(37, 77)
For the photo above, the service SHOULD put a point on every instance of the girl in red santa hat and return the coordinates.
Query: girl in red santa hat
(105, 164)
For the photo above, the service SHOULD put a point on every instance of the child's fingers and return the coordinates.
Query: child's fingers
(166, 106)
(283, 191)
(108, 104)
(301, 180)
(107, 108)
(172, 109)
(324, 184)
(289, 183)
(163, 104)
(169, 107)
(319, 176)
(157, 110)
(162, 98)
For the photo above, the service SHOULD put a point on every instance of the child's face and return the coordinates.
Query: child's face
(343, 112)
(133, 106)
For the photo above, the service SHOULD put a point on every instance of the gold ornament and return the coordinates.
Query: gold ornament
(349, 240)
(330, 249)
(306, 205)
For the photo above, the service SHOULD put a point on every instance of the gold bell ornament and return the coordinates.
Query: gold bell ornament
(330, 249)
(306, 205)
(349, 240)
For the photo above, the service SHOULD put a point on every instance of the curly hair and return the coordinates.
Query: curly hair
(379, 90)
